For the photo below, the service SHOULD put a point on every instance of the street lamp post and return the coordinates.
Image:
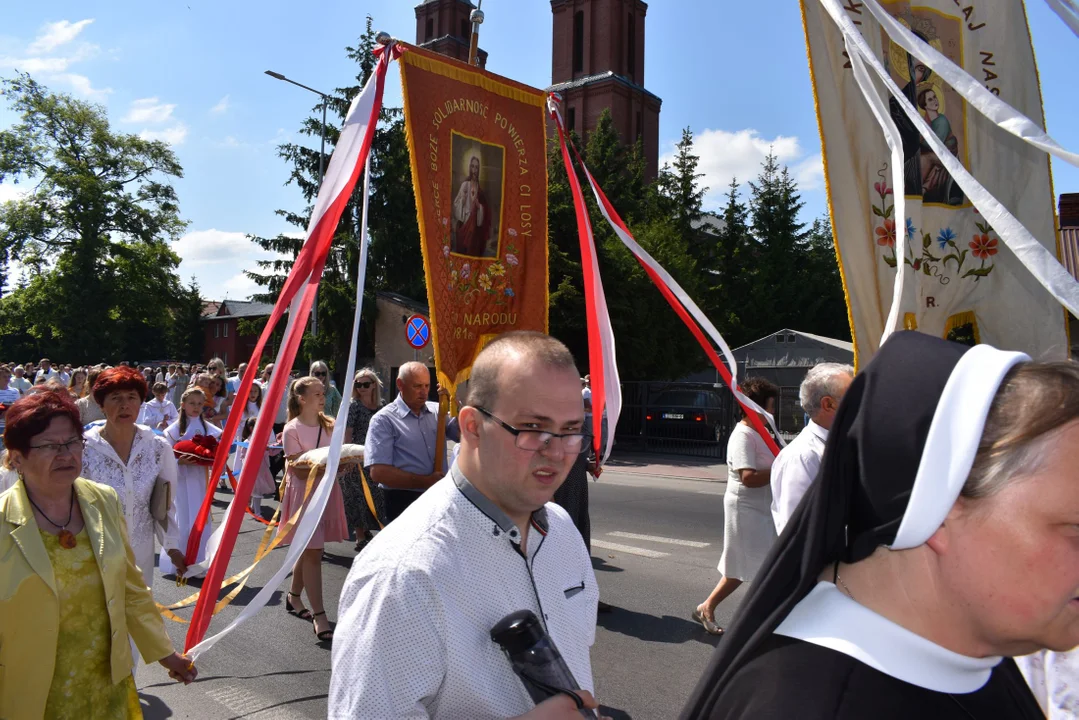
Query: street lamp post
(321, 167)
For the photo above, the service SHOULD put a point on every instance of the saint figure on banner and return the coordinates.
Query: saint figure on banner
(471, 214)
(923, 172)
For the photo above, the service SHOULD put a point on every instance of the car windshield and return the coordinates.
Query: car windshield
(683, 398)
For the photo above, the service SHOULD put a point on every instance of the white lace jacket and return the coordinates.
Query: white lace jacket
(134, 483)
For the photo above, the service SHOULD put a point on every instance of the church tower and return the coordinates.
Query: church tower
(443, 27)
(597, 63)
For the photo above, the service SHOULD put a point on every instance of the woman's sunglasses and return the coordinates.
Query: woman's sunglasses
(363, 384)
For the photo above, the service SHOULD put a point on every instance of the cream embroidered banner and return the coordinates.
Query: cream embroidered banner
(961, 282)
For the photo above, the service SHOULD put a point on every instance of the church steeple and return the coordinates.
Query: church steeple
(598, 62)
(443, 26)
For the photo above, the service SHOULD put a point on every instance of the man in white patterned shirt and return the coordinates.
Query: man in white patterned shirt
(418, 606)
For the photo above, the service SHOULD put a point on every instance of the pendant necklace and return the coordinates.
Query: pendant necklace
(67, 540)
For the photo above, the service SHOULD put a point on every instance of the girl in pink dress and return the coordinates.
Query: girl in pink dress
(308, 428)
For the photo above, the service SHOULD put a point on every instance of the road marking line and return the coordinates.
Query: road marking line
(629, 549)
(657, 539)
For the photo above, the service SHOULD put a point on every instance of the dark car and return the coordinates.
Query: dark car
(689, 414)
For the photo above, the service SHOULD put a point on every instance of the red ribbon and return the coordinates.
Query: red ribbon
(578, 199)
(306, 273)
(588, 249)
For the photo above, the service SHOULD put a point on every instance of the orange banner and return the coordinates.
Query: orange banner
(479, 170)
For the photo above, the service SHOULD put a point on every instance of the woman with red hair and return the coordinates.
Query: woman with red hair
(130, 458)
(70, 592)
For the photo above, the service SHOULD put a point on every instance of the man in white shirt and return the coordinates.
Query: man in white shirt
(796, 466)
(417, 609)
(46, 373)
(19, 382)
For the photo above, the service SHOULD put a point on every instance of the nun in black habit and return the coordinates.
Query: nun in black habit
(887, 597)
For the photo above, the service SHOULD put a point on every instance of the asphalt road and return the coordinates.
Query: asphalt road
(656, 542)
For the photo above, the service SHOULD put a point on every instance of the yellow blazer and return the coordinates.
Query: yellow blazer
(30, 609)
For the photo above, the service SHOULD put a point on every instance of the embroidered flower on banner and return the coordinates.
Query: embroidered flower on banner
(983, 247)
(509, 292)
(512, 260)
(946, 237)
(445, 251)
(511, 232)
(882, 189)
(484, 281)
(445, 222)
(466, 271)
(911, 230)
(886, 234)
(497, 270)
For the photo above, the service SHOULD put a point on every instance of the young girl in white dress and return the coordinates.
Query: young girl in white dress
(191, 482)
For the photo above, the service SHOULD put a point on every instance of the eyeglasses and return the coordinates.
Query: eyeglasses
(319, 374)
(534, 440)
(73, 446)
(363, 384)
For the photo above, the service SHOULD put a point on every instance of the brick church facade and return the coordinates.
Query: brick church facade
(597, 62)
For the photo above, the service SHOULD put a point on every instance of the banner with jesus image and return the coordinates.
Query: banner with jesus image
(962, 283)
(479, 171)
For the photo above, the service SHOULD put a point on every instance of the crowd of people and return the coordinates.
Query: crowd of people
(871, 543)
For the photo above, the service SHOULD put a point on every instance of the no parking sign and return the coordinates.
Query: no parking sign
(417, 332)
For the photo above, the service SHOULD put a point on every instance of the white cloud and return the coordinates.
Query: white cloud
(53, 35)
(217, 259)
(36, 66)
(149, 110)
(218, 247)
(174, 135)
(809, 173)
(725, 155)
(221, 107)
(240, 287)
(82, 86)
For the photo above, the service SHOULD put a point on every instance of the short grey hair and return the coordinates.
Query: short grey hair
(820, 382)
(413, 366)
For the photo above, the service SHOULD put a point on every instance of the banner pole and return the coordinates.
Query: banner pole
(474, 46)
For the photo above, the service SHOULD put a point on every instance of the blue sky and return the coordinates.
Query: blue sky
(191, 72)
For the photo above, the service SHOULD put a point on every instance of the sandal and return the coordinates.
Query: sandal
(325, 635)
(709, 624)
(303, 613)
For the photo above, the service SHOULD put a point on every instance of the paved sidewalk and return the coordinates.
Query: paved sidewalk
(667, 466)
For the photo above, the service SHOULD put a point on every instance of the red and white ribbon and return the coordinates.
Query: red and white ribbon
(602, 364)
(349, 158)
(682, 304)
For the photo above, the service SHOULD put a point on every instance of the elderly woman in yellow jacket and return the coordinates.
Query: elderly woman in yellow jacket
(70, 591)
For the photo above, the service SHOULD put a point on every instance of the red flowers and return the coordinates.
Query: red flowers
(882, 189)
(982, 247)
(886, 234)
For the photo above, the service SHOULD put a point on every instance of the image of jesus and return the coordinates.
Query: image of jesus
(471, 214)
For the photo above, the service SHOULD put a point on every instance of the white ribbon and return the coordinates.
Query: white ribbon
(1041, 263)
(1004, 115)
(1068, 12)
(312, 514)
(680, 294)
